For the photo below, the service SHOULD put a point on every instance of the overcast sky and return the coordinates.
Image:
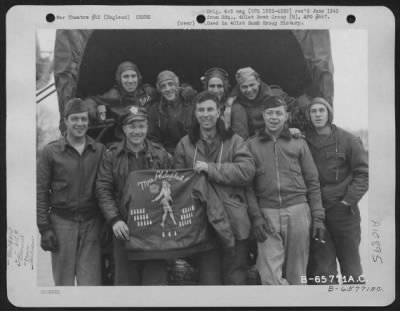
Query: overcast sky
(350, 60)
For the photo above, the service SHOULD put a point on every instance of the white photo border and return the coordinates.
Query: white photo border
(23, 21)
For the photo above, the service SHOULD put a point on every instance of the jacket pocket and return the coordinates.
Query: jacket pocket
(59, 193)
(336, 157)
(238, 217)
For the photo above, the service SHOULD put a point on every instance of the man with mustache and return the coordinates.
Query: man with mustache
(68, 217)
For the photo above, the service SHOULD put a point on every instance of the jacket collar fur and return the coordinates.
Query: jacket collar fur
(285, 134)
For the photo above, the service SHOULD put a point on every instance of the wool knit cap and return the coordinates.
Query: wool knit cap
(75, 105)
(244, 73)
(167, 75)
(125, 66)
(273, 102)
(134, 113)
(322, 101)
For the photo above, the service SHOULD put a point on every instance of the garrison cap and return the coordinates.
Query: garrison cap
(75, 105)
(273, 102)
(244, 73)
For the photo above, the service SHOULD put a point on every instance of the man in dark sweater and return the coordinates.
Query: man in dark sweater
(171, 118)
(342, 164)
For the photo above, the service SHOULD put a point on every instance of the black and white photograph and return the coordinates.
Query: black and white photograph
(216, 157)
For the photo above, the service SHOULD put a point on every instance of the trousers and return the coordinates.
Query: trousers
(78, 255)
(137, 272)
(208, 264)
(342, 241)
(282, 258)
(234, 266)
(220, 266)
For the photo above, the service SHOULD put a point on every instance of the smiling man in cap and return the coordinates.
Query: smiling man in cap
(67, 213)
(134, 152)
(128, 91)
(285, 202)
(247, 110)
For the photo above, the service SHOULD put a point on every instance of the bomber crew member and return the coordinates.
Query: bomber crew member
(342, 164)
(247, 109)
(170, 119)
(223, 157)
(67, 213)
(128, 91)
(216, 81)
(285, 203)
(134, 152)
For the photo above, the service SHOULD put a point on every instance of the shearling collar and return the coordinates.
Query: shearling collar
(285, 134)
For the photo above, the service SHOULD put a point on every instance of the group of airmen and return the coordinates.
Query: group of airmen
(291, 179)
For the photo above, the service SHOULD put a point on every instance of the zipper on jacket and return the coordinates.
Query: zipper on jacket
(220, 155)
(336, 156)
(80, 180)
(195, 155)
(277, 173)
